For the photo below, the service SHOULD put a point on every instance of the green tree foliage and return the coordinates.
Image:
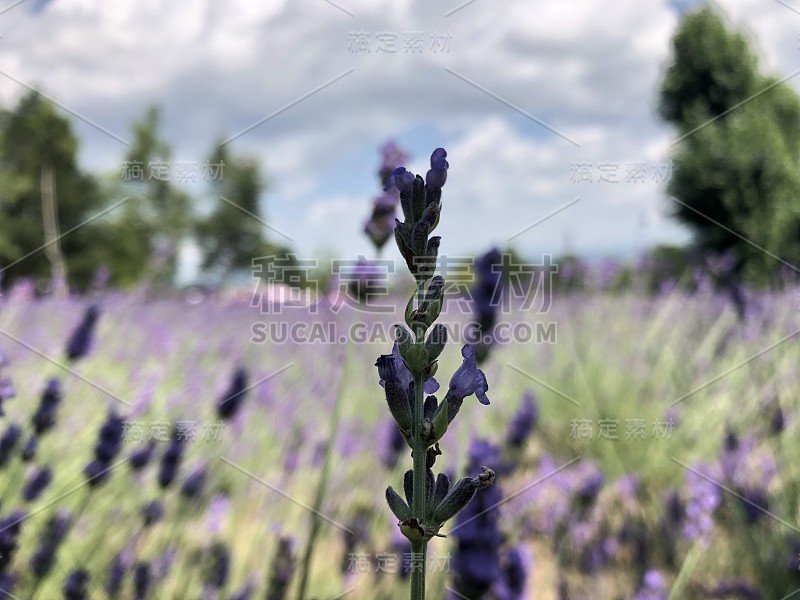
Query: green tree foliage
(234, 233)
(159, 215)
(737, 158)
(32, 136)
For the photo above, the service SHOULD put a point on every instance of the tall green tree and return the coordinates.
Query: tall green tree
(38, 167)
(234, 233)
(737, 160)
(159, 215)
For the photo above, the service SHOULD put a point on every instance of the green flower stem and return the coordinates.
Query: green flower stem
(418, 553)
(418, 501)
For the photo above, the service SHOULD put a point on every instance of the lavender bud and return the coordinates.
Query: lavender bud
(399, 404)
(417, 198)
(408, 486)
(437, 339)
(430, 486)
(419, 243)
(455, 500)
(397, 505)
(441, 489)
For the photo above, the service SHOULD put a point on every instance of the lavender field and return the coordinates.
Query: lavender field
(646, 452)
(360, 299)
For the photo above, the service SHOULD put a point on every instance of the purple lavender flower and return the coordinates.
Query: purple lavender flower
(45, 416)
(10, 528)
(393, 367)
(6, 386)
(467, 380)
(476, 561)
(654, 587)
(171, 461)
(139, 458)
(380, 225)
(142, 579)
(108, 446)
(75, 586)
(486, 300)
(29, 449)
(51, 537)
(7, 582)
(400, 179)
(194, 484)
(281, 570)
(152, 513)
(8, 442)
(218, 566)
(37, 482)
(523, 422)
(245, 592)
(81, 339)
(228, 405)
(393, 157)
(704, 498)
(116, 575)
(516, 566)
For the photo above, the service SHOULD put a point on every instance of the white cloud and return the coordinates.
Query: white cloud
(589, 69)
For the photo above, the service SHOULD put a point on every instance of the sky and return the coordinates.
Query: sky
(547, 109)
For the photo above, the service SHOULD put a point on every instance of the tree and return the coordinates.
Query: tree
(738, 153)
(158, 216)
(233, 234)
(38, 162)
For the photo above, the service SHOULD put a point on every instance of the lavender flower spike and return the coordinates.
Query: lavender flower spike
(407, 373)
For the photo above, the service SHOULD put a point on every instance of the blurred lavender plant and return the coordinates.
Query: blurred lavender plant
(380, 225)
(75, 585)
(80, 342)
(108, 446)
(476, 563)
(6, 386)
(523, 422)
(486, 301)
(281, 570)
(653, 587)
(407, 372)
